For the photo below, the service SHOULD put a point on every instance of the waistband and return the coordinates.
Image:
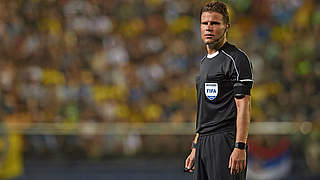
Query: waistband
(221, 127)
(224, 130)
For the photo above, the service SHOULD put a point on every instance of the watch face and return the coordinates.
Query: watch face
(194, 145)
(240, 145)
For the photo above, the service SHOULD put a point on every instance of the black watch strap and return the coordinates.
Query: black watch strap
(240, 145)
(193, 145)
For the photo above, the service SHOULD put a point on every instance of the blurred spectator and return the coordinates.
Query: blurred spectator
(11, 155)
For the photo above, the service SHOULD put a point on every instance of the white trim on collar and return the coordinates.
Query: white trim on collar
(213, 55)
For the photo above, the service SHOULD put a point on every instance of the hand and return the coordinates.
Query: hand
(237, 161)
(189, 164)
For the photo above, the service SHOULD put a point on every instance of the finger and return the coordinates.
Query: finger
(191, 163)
(237, 167)
(191, 169)
(187, 163)
(232, 167)
(233, 171)
(241, 168)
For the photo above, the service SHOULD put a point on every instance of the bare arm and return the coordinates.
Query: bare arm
(196, 138)
(243, 118)
(189, 164)
(237, 162)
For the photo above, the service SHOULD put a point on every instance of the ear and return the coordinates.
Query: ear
(228, 26)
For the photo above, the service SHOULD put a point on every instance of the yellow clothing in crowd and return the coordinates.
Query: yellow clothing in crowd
(12, 162)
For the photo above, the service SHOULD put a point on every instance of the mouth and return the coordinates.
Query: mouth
(209, 36)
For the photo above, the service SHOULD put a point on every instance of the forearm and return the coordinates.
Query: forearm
(195, 140)
(243, 119)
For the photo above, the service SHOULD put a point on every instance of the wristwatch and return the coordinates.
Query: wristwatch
(193, 145)
(240, 145)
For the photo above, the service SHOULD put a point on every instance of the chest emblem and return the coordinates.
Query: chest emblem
(211, 90)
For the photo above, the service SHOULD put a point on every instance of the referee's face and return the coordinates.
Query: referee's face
(212, 27)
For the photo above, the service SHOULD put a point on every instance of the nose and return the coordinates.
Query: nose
(209, 28)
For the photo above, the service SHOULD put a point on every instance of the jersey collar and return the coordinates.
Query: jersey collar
(212, 55)
(217, 52)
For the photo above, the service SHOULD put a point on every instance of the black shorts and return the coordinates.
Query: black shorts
(212, 157)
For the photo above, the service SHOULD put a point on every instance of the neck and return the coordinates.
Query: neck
(214, 47)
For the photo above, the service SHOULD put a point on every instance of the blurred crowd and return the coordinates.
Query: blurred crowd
(106, 61)
(135, 61)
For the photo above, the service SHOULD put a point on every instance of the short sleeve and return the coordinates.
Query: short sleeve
(242, 71)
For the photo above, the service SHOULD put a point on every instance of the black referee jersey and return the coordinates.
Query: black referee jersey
(217, 110)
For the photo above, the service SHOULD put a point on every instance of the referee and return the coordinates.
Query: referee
(219, 150)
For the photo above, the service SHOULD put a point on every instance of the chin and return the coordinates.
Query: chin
(210, 43)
